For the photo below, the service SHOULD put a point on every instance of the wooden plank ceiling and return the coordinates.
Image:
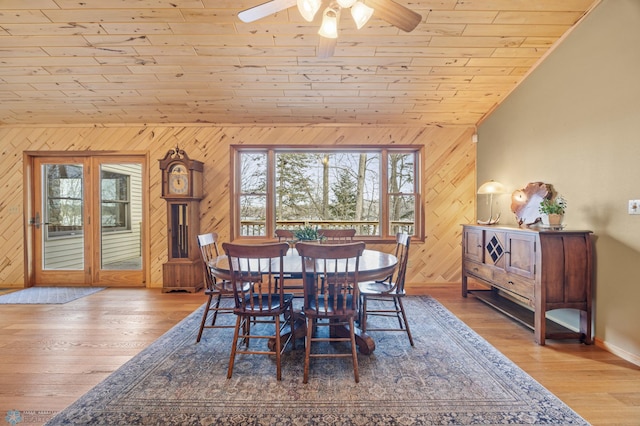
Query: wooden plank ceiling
(188, 61)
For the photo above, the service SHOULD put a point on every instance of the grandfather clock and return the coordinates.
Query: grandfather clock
(182, 189)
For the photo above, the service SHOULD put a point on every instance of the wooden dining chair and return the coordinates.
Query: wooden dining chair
(291, 282)
(330, 296)
(257, 302)
(337, 236)
(387, 291)
(284, 235)
(216, 289)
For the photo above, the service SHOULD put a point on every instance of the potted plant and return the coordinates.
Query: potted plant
(552, 210)
(307, 233)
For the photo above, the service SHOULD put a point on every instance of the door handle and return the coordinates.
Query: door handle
(36, 221)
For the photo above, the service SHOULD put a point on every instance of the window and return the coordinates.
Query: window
(64, 199)
(115, 203)
(374, 190)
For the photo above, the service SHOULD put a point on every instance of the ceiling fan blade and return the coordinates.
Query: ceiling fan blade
(395, 14)
(265, 9)
(326, 47)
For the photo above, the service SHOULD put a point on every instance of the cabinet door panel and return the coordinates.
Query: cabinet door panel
(495, 248)
(473, 249)
(522, 254)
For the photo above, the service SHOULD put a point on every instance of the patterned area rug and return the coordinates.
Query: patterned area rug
(452, 376)
(47, 295)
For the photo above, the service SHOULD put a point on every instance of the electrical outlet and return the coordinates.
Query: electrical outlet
(634, 206)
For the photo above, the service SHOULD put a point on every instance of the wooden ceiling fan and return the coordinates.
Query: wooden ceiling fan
(387, 10)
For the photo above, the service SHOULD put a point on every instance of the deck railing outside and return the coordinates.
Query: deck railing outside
(363, 228)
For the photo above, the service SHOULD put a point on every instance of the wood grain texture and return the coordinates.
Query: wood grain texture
(195, 61)
(53, 354)
(448, 180)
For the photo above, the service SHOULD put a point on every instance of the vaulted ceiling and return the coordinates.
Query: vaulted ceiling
(194, 61)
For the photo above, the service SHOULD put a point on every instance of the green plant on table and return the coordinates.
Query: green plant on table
(556, 205)
(307, 233)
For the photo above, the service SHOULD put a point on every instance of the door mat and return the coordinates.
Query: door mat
(47, 295)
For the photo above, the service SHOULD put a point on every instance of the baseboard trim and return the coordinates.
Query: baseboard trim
(627, 356)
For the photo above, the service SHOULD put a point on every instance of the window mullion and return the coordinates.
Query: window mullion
(384, 194)
(271, 194)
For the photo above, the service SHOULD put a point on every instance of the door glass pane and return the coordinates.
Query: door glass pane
(121, 216)
(63, 236)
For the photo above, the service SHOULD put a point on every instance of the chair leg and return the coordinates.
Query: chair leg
(307, 349)
(239, 322)
(278, 348)
(363, 315)
(246, 331)
(292, 322)
(217, 307)
(406, 323)
(204, 318)
(396, 300)
(354, 351)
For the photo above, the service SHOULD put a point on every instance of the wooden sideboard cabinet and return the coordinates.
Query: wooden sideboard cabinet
(525, 273)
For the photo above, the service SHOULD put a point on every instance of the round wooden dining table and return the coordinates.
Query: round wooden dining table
(373, 265)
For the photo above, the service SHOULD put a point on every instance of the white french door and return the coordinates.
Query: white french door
(88, 221)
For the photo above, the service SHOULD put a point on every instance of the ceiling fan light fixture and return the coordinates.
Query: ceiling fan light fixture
(346, 3)
(329, 27)
(361, 13)
(309, 8)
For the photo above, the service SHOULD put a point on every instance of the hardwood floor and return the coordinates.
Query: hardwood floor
(52, 354)
(603, 388)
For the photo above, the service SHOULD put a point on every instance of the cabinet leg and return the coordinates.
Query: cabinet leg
(585, 327)
(539, 326)
(464, 285)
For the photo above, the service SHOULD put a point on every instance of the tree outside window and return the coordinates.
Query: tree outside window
(402, 194)
(287, 188)
(253, 193)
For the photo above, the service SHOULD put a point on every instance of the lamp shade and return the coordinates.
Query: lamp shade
(329, 27)
(492, 187)
(309, 8)
(361, 13)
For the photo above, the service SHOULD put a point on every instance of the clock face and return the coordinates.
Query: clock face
(178, 180)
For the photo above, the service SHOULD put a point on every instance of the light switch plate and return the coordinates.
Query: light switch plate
(634, 206)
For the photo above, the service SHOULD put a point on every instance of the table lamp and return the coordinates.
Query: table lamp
(489, 188)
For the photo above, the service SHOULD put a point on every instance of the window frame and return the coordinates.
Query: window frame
(270, 220)
(125, 203)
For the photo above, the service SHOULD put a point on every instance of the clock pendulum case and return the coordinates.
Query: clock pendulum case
(182, 190)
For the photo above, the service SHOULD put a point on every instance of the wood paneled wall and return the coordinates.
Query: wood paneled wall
(448, 174)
